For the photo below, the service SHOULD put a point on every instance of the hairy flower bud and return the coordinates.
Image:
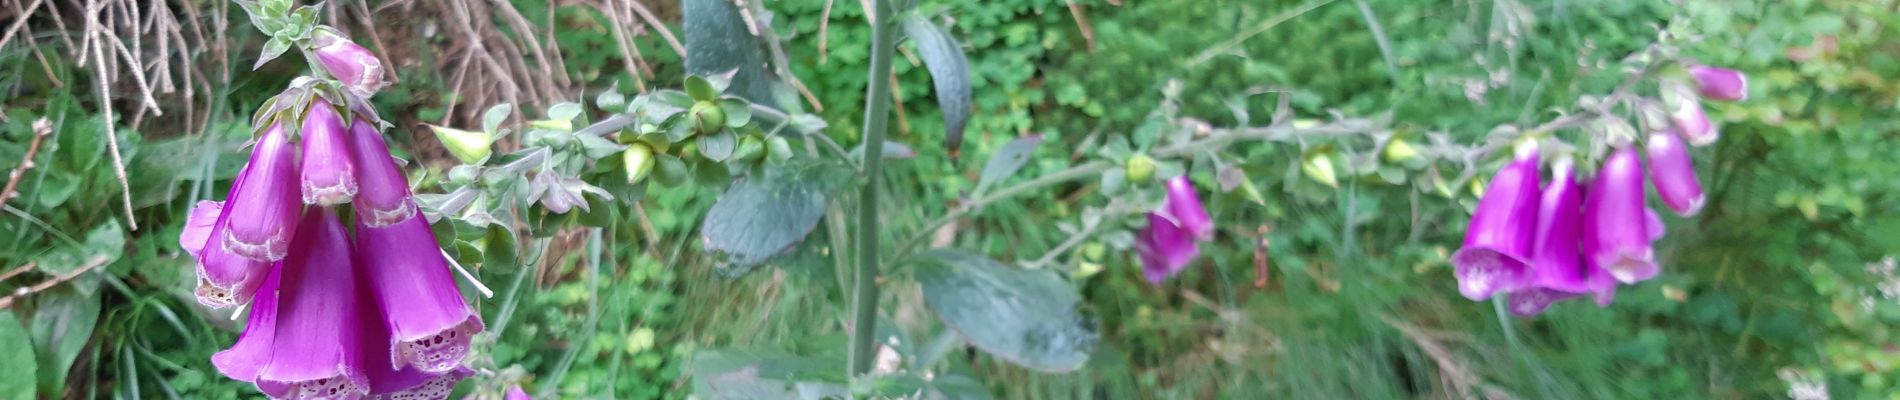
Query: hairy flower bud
(1140, 168)
(1720, 83)
(355, 66)
(1673, 174)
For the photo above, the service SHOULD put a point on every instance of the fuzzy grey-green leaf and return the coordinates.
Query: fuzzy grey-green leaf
(1032, 318)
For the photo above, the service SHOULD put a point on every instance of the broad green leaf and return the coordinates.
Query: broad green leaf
(1008, 160)
(718, 146)
(763, 215)
(611, 101)
(728, 374)
(949, 73)
(701, 90)
(1028, 317)
(738, 112)
(492, 119)
(718, 41)
(597, 147)
(62, 324)
(17, 382)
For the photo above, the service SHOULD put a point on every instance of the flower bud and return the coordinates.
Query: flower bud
(1720, 83)
(638, 159)
(1498, 240)
(1399, 152)
(355, 66)
(468, 146)
(708, 117)
(1140, 168)
(1686, 114)
(329, 176)
(1673, 174)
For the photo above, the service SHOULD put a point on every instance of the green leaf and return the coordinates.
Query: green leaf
(1008, 160)
(763, 215)
(959, 387)
(700, 90)
(272, 49)
(611, 101)
(719, 146)
(1028, 317)
(728, 374)
(807, 124)
(738, 112)
(718, 41)
(597, 147)
(62, 324)
(564, 111)
(949, 73)
(492, 119)
(20, 367)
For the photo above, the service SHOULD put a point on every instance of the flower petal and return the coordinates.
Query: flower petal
(319, 322)
(198, 226)
(1184, 207)
(1165, 249)
(430, 323)
(253, 348)
(263, 206)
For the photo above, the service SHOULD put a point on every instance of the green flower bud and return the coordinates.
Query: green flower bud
(469, 147)
(1399, 152)
(750, 148)
(638, 159)
(708, 117)
(1139, 168)
(1319, 167)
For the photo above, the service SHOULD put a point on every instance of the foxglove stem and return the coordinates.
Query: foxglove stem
(1616, 223)
(1673, 174)
(876, 114)
(384, 199)
(329, 176)
(1498, 239)
(1719, 83)
(264, 205)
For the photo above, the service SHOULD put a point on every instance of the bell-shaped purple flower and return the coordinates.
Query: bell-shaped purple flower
(329, 174)
(1556, 270)
(315, 348)
(1167, 244)
(430, 324)
(1719, 83)
(1499, 238)
(1616, 223)
(515, 393)
(1673, 174)
(385, 380)
(355, 66)
(384, 196)
(225, 279)
(253, 348)
(1686, 115)
(263, 204)
(1165, 248)
(1184, 207)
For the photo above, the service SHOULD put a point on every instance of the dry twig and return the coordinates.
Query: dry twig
(41, 129)
(92, 264)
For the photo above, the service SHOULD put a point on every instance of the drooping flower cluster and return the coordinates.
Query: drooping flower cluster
(1168, 243)
(1543, 244)
(335, 312)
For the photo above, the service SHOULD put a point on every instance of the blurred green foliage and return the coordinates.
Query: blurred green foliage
(1778, 285)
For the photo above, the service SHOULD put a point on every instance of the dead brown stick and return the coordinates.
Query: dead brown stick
(1082, 23)
(98, 35)
(41, 129)
(658, 26)
(17, 271)
(92, 264)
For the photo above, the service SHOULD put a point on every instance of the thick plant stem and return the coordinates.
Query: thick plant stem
(876, 110)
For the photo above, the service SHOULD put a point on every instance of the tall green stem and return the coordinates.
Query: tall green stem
(877, 102)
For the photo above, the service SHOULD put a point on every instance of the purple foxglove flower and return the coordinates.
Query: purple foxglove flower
(1165, 248)
(225, 279)
(329, 175)
(1616, 224)
(355, 66)
(1719, 83)
(1184, 207)
(1686, 115)
(1556, 270)
(515, 393)
(263, 206)
(1499, 238)
(314, 351)
(1673, 174)
(429, 322)
(385, 380)
(384, 198)
(198, 226)
(253, 348)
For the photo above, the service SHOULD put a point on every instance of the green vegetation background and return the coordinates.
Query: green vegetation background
(1770, 285)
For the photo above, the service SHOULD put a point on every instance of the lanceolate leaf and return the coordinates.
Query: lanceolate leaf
(62, 324)
(949, 72)
(1007, 160)
(1028, 317)
(764, 214)
(17, 361)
